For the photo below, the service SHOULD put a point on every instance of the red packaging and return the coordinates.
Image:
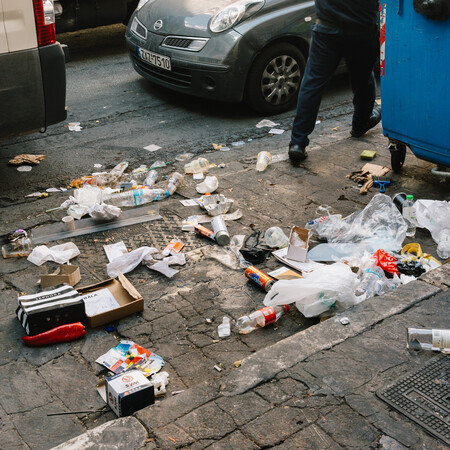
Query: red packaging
(386, 261)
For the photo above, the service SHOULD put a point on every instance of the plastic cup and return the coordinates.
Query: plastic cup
(69, 222)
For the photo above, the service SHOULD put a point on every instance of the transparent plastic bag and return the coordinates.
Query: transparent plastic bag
(379, 225)
(327, 288)
(274, 237)
(61, 254)
(224, 255)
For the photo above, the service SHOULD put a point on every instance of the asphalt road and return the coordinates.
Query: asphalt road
(121, 113)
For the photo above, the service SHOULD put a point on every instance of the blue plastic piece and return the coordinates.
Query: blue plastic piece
(415, 86)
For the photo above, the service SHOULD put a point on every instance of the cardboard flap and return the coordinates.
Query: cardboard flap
(128, 286)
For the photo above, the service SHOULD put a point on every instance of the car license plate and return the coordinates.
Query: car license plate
(154, 59)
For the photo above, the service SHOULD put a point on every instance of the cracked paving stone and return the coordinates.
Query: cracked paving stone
(311, 438)
(387, 443)
(244, 408)
(207, 422)
(194, 366)
(273, 392)
(169, 324)
(234, 441)
(22, 377)
(65, 372)
(44, 431)
(274, 426)
(172, 436)
(348, 428)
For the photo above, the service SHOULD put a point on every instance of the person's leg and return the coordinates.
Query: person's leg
(323, 59)
(361, 53)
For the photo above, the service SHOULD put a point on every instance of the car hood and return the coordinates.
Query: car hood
(181, 17)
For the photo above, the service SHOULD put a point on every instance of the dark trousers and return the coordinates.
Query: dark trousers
(360, 52)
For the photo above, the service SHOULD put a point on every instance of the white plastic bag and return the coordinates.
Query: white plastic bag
(129, 261)
(104, 212)
(327, 288)
(379, 225)
(59, 253)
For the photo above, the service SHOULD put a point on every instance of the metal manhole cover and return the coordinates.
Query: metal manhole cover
(424, 397)
(156, 233)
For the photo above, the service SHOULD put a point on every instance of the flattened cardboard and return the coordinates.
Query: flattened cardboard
(298, 253)
(65, 274)
(124, 292)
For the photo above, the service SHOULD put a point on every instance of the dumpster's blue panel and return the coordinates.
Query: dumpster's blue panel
(415, 85)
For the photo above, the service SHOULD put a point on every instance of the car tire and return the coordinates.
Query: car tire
(274, 79)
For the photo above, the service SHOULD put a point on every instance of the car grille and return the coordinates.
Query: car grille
(176, 42)
(177, 76)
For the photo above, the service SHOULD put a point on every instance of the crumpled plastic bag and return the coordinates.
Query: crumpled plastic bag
(104, 212)
(379, 225)
(159, 381)
(148, 256)
(224, 255)
(433, 215)
(59, 253)
(330, 287)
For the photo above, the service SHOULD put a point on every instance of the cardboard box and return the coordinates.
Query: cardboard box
(65, 274)
(298, 244)
(128, 392)
(124, 292)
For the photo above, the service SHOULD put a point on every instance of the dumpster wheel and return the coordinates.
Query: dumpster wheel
(398, 154)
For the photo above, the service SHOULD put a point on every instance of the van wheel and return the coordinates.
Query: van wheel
(274, 79)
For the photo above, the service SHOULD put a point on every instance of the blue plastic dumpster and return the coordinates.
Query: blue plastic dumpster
(415, 80)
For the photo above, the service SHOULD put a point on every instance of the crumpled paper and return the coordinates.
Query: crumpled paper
(104, 212)
(26, 159)
(59, 253)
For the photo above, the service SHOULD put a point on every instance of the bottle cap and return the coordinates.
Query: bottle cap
(410, 197)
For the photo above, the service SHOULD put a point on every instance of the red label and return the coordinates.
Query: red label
(269, 314)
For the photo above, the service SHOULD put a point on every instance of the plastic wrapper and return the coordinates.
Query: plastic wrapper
(378, 225)
(159, 381)
(324, 227)
(162, 266)
(386, 261)
(274, 237)
(131, 260)
(327, 288)
(60, 254)
(210, 184)
(236, 244)
(224, 255)
(104, 212)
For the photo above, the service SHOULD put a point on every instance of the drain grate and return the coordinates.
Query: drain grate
(152, 234)
(424, 397)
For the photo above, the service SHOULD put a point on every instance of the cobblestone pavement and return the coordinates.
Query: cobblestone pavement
(311, 404)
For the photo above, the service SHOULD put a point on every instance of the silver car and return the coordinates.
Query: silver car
(225, 50)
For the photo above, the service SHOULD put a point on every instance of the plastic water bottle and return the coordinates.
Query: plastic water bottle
(372, 282)
(428, 339)
(197, 166)
(151, 178)
(409, 216)
(260, 318)
(263, 160)
(135, 197)
(176, 180)
(119, 169)
(443, 248)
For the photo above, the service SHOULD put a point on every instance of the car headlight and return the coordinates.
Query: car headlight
(141, 4)
(233, 14)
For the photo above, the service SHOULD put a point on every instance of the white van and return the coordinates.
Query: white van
(32, 67)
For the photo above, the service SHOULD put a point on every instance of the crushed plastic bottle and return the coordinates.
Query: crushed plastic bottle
(443, 248)
(263, 160)
(151, 178)
(135, 197)
(119, 169)
(176, 180)
(428, 339)
(371, 282)
(261, 318)
(198, 165)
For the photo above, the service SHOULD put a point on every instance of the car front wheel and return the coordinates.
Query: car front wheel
(274, 79)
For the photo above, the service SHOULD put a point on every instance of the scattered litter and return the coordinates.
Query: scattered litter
(104, 212)
(210, 184)
(217, 146)
(224, 149)
(276, 131)
(335, 129)
(24, 169)
(198, 176)
(34, 194)
(74, 126)
(97, 166)
(237, 363)
(128, 356)
(65, 274)
(26, 159)
(173, 247)
(219, 227)
(219, 369)
(263, 160)
(216, 204)
(178, 392)
(238, 143)
(264, 281)
(368, 154)
(19, 245)
(344, 320)
(199, 165)
(59, 253)
(304, 267)
(189, 202)
(208, 320)
(152, 147)
(184, 156)
(284, 273)
(317, 121)
(52, 190)
(266, 123)
(159, 381)
(114, 251)
(224, 329)
(366, 174)
(261, 318)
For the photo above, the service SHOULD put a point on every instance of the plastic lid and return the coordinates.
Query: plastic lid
(410, 197)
